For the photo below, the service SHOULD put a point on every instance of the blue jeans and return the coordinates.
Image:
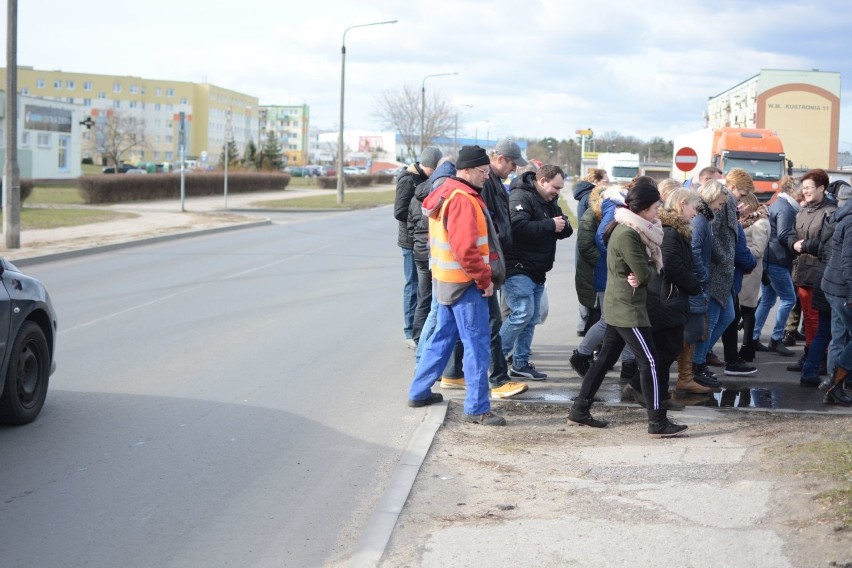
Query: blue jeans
(780, 286)
(467, 320)
(841, 328)
(718, 319)
(595, 335)
(428, 329)
(812, 363)
(523, 296)
(409, 292)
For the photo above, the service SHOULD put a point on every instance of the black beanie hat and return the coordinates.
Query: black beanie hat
(641, 196)
(471, 157)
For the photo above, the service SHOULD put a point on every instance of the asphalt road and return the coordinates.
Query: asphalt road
(225, 400)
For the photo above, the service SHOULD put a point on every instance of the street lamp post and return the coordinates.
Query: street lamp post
(342, 84)
(423, 106)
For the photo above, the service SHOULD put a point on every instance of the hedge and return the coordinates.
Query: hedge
(26, 188)
(117, 188)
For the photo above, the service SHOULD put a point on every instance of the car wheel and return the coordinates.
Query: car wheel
(26, 377)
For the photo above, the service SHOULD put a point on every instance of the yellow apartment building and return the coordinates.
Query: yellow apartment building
(212, 114)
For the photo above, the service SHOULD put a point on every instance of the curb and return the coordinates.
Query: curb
(22, 262)
(377, 532)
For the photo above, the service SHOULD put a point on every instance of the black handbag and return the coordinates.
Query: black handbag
(668, 306)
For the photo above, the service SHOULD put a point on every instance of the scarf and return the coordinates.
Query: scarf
(651, 233)
(760, 213)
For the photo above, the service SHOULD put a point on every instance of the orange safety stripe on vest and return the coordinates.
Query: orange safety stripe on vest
(444, 265)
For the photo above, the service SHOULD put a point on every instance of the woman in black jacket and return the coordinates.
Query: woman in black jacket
(668, 295)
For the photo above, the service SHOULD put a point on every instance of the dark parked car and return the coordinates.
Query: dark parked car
(122, 169)
(27, 345)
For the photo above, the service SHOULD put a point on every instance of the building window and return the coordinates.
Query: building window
(131, 104)
(156, 106)
(69, 85)
(184, 101)
(39, 83)
(70, 100)
(25, 138)
(157, 92)
(116, 87)
(25, 91)
(43, 140)
(169, 139)
(64, 142)
(57, 83)
(156, 155)
(87, 85)
(87, 102)
(133, 89)
(116, 104)
(169, 156)
(170, 92)
(101, 95)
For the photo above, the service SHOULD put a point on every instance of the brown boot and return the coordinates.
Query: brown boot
(685, 382)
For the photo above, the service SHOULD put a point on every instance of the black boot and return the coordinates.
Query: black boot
(580, 363)
(835, 393)
(580, 414)
(797, 366)
(628, 369)
(659, 426)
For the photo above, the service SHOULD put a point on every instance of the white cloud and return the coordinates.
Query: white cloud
(544, 68)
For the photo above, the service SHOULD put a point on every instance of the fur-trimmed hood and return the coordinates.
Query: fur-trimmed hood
(675, 221)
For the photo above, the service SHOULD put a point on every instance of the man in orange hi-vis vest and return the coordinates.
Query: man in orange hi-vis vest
(466, 263)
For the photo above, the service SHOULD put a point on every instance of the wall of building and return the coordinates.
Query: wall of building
(803, 107)
(48, 132)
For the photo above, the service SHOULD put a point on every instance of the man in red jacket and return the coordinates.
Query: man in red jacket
(466, 263)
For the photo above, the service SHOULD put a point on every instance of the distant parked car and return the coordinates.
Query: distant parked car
(351, 171)
(392, 171)
(122, 169)
(29, 334)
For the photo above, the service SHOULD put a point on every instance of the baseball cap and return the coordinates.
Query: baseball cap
(509, 149)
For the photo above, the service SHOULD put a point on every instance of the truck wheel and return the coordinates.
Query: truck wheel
(27, 377)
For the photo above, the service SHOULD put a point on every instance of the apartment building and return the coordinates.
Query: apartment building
(291, 124)
(213, 114)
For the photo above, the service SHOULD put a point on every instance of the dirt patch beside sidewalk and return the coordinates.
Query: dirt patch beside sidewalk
(537, 469)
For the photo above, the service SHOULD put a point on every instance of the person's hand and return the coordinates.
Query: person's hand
(560, 223)
(488, 291)
(632, 280)
(798, 246)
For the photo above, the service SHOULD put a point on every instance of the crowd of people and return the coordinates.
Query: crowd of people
(664, 270)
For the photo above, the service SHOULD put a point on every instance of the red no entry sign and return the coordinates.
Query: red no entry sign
(686, 159)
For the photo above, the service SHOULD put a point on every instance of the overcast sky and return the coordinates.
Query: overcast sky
(530, 69)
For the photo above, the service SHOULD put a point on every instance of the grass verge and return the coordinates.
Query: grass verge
(55, 195)
(51, 218)
(829, 460)
(352, 200)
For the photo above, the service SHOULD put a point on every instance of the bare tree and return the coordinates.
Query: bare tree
(117, 135)
(400, 111)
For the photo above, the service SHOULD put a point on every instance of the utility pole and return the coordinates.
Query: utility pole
(11, 172)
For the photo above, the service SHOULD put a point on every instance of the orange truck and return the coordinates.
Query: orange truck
(759, 151)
